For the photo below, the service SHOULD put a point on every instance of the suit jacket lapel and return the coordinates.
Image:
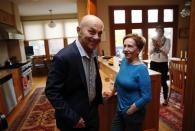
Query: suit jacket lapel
(80, 65)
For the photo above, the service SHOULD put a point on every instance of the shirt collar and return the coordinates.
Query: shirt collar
(82, 50)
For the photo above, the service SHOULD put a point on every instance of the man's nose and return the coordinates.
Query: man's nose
(96, 36)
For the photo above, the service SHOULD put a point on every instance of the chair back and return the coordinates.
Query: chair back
(177, 70)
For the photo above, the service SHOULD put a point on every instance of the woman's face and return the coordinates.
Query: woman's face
(159, 32)
(130, 49)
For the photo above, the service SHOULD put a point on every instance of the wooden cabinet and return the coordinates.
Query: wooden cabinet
(16, 75)
(6, 18)
(107, 111)
(2, 104)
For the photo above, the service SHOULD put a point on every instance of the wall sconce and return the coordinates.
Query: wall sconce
(186, 10)
(51, 23)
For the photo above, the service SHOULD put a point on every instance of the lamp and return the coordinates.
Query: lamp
(51, 23)
(186, 10)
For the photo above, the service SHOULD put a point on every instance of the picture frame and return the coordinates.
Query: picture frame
(183, 32)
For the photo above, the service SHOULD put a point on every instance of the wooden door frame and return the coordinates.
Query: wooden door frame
(142, 26)
(189, 97)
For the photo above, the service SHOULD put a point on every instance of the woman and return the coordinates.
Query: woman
(133, 87)
(159, 50)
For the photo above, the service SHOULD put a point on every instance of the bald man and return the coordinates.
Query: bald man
(74, 85)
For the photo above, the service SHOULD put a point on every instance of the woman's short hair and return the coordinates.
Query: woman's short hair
(140, 41)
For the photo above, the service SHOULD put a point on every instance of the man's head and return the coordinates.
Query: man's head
(89, 32)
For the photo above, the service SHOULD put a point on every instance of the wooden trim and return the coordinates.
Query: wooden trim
(7, 18)
(47, 54)
(2, 106)
(112, 46)
(26, 43)
(189, 97)
(47, 17)
(65, 42)
(92, 8)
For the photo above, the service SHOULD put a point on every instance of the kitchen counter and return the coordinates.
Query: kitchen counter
(107, 111)
(15, 91)
(115, 67)
(4, 73)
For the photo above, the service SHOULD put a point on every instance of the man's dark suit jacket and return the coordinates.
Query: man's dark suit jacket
(66, 87)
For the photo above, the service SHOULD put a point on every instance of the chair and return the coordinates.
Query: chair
(39, 65)
(177, 74)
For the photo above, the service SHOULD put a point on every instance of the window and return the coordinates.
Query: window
(71, 39)
(168, 15)
(136, 16)
(152, 15)
(55, 45)
(119, 16)
(37, 31)
(137, 31)
(33, 30)
(38, 47)
(70, 27)
(119, 34)
(137, 22)
(53, 33)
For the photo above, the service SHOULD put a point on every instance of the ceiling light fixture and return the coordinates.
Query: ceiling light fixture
(51, 23)
(186, 10)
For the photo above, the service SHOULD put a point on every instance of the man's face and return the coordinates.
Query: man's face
(90, 36)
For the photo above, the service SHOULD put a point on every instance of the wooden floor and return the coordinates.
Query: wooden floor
(40, 82)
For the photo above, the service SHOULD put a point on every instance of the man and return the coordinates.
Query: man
(74, 86)
(159, 50)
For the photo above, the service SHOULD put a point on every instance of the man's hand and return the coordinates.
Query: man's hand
(80, 124)
(107, 94)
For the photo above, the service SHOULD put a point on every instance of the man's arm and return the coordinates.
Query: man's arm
(55, 86)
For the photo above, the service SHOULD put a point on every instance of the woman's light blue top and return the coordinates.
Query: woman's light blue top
(133, 85)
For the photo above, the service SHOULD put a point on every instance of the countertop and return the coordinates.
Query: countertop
(115, 67)
(4, 73)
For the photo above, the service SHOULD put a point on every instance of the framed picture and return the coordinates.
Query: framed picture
(183, 32)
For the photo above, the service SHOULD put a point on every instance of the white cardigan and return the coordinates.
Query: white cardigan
(160, 57)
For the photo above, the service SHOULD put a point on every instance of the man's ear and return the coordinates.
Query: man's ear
(78, 29)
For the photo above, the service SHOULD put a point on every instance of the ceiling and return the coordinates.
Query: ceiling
(42, 7)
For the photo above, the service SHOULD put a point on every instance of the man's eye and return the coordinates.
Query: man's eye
(92, 32)
(100, 34)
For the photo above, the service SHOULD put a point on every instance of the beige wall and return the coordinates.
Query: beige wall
(16, 48)
(102, 12)
(18, 23)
